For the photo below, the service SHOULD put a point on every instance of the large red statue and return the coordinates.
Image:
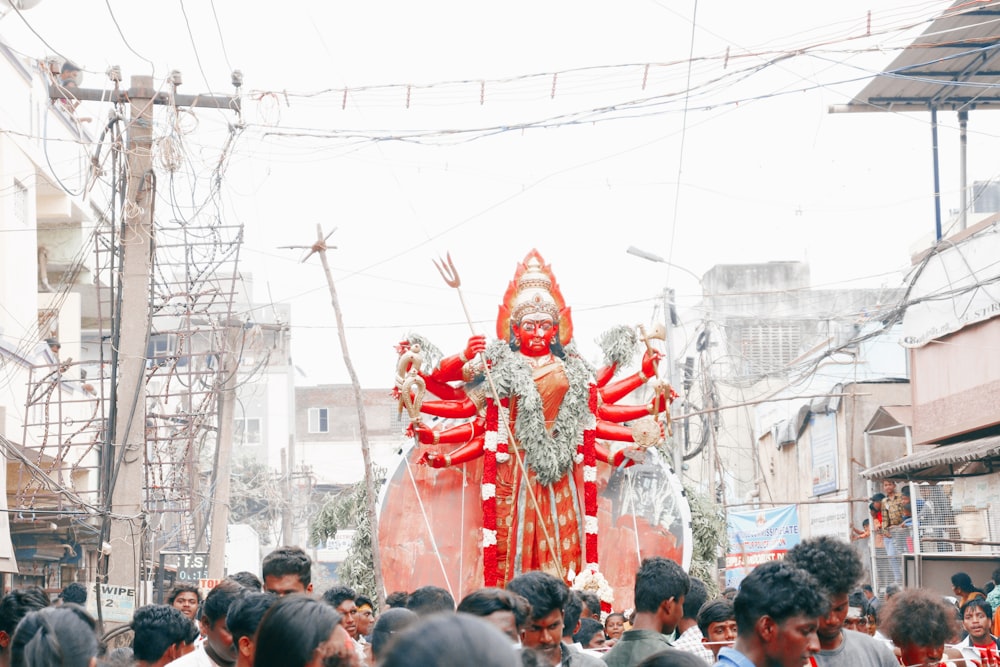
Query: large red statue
(526, 420)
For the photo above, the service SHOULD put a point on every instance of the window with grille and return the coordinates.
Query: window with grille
(767, 347)
(247, 431)
(319, 420)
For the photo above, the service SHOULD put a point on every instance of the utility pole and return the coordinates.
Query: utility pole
(129, 434)
(668, 323)
(224, 452)
(125, 444)
(288, 472)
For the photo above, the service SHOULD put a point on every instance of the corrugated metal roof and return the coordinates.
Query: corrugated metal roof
(954, 64)
(962, 459)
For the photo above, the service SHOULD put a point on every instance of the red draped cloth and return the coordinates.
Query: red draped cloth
(538, 526)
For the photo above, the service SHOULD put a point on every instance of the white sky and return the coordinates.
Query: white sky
(755, 170)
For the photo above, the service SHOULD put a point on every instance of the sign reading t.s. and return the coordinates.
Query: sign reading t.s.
(192, 567)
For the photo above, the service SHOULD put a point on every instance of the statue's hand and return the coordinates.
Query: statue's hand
(423, 433)
(474, 346)
(432, 459)
(636, 453)
(649, 362)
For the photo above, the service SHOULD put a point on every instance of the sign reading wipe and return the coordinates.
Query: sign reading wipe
(117, 602)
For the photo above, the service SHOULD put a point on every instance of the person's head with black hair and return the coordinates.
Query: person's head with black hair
(591, 605)
(672, 657)
(777, 612)
(660, 588)
(547, 596)
(396, 599)
(365, 618)
(75, 593)
(962, 584)
(428, 600)
(614, 625)
(186, 598)
(451, 640)
(13, 607)
(123, 656)
(218, 641)
(696, 596)
(590, 634)
(248, 580)
(876, 502)
(287, 570)
(160, 634)
(919, 623)
(243, 619)
(296, 630)
(717, 622)
(571, 615)
(341, 598)
(64, 636)
(390, 623)
(837, 568)
(508, 611)
(977, 620)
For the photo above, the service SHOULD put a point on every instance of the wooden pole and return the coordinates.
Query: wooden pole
(319, 248)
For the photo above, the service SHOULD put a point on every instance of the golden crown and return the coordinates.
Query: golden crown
(534, 293)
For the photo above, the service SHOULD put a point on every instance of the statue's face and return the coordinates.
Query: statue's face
(534, 333)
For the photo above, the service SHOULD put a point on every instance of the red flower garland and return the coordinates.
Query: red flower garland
(489, 497)
(590, 481)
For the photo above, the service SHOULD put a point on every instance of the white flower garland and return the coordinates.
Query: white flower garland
(591, 579)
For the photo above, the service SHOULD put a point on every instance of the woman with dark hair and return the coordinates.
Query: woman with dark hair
(185, 598)
(299, 631)
(451, 640)
(965, 590)
(920, 623)
(614, 628)
(62, 636)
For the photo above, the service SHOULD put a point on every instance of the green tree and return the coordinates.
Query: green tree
(708, 530)
(348, 509)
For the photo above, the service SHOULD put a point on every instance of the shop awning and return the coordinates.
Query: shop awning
(961, 459)
(954, 64)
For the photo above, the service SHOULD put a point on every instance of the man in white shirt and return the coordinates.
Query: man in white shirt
(217, 650)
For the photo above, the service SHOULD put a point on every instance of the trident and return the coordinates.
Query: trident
(450, 274)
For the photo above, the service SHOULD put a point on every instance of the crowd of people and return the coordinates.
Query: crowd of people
(804, 611)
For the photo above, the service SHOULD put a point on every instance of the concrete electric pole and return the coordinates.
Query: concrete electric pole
(124, 518)
(129, 439)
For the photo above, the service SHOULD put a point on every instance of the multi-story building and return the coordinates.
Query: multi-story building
(766, 334)
(49, 397)
(946, 447)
